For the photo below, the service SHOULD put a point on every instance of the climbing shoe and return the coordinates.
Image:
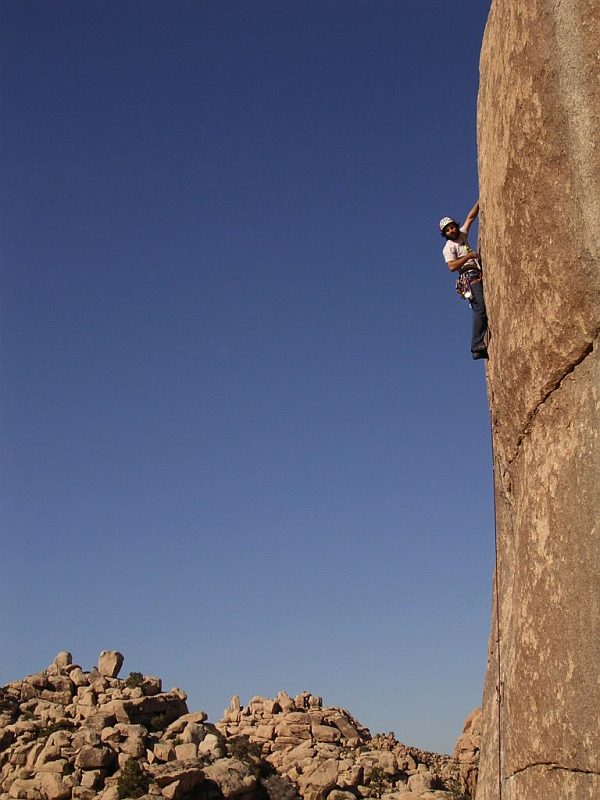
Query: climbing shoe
(480, 352)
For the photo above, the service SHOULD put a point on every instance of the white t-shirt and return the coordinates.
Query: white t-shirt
(457, 249)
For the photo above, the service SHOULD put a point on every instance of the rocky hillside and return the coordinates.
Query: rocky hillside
(67, 733)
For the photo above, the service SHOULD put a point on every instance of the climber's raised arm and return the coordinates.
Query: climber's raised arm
(471, 217)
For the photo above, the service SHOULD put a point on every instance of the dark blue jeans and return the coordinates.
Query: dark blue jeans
(480, 321)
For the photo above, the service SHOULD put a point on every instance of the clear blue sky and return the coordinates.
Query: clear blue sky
(243, 438)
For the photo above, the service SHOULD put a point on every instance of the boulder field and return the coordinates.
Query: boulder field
(66, 733)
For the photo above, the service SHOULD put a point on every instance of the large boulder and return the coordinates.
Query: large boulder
(63, 660)
(233, 777)
(318, 778)
(53, 787)
(110, 663)
(421, 782)
(168, 706)
(90, 757)
(178, 778)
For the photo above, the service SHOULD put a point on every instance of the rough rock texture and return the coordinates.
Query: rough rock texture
(539, 164)
(67, 734)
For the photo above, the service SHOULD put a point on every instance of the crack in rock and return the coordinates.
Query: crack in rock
(555, 387)
(553, 766)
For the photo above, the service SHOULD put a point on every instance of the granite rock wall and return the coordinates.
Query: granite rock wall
(539, 165)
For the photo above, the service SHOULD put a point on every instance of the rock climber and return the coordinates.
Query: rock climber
(460, 257)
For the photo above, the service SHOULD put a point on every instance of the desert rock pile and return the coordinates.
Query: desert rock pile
(327, 753)
(67, 734)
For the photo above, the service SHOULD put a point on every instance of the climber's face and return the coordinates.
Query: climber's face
(451, 231)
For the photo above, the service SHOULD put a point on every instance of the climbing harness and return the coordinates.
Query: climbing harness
(465, 281)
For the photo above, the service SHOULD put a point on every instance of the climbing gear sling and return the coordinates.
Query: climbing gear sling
(467, 278)
(465, 281)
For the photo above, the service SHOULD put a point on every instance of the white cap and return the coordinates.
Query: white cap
(445, 221)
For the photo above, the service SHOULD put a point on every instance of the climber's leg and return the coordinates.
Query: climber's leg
(479, 319)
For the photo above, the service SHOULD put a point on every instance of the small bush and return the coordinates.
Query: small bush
(250, 753)
(9, 705)
(135, 680)
(243, 749)
(379, 781)
(133, 781)
(453, 786)
(280, 788)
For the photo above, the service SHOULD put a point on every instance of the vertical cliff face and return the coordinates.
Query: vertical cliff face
(539, 165)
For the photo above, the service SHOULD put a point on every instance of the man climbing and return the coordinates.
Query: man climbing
(461, 258)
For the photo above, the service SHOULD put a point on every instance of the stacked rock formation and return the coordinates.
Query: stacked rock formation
(66, 733)
(539, 165)
(69, 734)
(327, 753)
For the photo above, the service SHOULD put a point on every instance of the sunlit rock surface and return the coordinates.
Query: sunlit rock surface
(539, 163)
